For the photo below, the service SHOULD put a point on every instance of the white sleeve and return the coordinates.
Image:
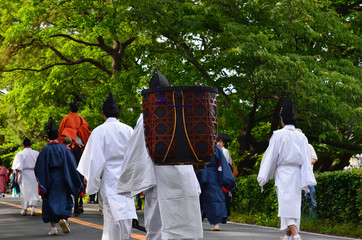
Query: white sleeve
(227, 156)
(268, 163)
(18, 163)
(92, 162)
(307, 175)
(313, 154)
(137, 169)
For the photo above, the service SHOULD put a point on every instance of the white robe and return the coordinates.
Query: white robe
(101, 165)
(227, 156)
(172, 207)
(287, 157)
(24, 161)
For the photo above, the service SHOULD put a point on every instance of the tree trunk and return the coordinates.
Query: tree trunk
(343, 161)
(324, 163)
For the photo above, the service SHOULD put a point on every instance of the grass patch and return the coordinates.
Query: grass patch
(308, 225)
(331, 228)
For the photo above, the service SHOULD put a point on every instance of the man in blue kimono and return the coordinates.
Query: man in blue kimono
(216, 176)
(58, 179)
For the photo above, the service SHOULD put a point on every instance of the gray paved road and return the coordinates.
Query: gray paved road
(88, 226)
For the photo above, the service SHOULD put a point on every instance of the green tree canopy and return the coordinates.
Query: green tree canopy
(257, 53)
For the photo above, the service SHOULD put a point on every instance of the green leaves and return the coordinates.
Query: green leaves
(248, 198)
(257, 53)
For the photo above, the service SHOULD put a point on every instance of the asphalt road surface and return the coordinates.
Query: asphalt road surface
(89, 225)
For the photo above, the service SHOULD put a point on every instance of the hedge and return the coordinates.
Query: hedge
(249, 199)
(338, 195)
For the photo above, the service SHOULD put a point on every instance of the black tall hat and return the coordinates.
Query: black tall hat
(73, 106)
(78, 98)
(287, 112)
(26, 142)
(52, 130)
(158, 79)
(110, 107)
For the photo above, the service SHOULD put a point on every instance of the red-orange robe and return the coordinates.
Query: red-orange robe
(73, 125)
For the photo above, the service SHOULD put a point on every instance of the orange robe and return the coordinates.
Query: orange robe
(71, 126)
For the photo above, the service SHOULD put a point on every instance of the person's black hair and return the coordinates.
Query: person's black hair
(218, 139)
(26, 142)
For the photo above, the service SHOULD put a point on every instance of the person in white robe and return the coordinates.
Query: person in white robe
(23, 164)
(172, 207)
(101, 165)
(287, 157)
(225, 151)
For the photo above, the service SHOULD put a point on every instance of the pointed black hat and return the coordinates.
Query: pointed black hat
(158, 79)
(26, 142)
(73, 106)
(287, 113)
(110, 107)
(52, 130)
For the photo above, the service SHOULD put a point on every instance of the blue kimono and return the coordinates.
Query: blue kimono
(212, 180)
(14, 186)
(58, 178)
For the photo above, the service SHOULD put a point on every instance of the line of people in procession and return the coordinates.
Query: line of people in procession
(113, 161)
(172, 209)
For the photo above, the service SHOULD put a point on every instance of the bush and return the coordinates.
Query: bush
(249, 199)
(339, 196)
